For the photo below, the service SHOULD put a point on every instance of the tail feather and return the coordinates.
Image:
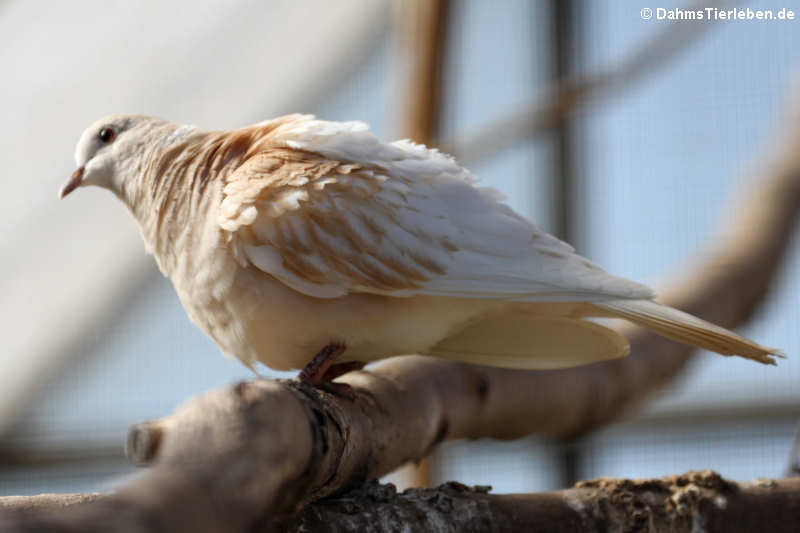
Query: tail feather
(683, 327)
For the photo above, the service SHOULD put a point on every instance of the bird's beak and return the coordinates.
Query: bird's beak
(71, 184)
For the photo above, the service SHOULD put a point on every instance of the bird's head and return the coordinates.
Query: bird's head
(110, 150)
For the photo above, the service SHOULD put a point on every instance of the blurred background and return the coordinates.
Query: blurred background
(94, 339)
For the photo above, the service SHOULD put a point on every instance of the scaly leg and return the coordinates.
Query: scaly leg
(315, 372)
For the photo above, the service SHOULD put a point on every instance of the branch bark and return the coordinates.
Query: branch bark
(696, 501)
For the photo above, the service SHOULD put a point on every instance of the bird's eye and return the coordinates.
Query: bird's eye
(106, 135)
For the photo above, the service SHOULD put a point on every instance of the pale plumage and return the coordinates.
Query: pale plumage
(295, 234)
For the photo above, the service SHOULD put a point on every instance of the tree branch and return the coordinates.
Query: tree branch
(676, 504)
(687, 503)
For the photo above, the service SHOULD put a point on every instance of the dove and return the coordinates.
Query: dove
(308, 244)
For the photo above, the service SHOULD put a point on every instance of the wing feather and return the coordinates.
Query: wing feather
(330, 210)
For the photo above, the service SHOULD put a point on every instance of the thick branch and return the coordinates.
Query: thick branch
(687, 503)
(697, 501)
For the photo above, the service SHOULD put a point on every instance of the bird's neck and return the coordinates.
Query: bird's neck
(175, 201)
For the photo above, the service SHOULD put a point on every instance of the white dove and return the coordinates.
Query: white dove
(313, 245)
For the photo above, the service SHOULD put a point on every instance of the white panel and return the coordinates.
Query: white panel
(217, 64)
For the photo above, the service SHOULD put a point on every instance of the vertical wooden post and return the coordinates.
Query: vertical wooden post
(423, 36)
(564, 16)
(562, 44)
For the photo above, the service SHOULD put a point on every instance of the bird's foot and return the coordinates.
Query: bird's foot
(322, 369)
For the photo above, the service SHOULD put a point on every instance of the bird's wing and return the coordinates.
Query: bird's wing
(331, 210)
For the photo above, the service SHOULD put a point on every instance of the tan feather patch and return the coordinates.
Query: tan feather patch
(329, 221)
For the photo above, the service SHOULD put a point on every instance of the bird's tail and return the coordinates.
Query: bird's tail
(683, 327)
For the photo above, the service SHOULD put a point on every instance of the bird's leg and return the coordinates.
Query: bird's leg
(315, 372)
(321, 370)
